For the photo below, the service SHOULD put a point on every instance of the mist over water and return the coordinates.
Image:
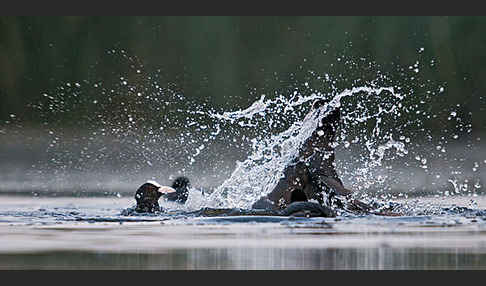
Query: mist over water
(113, 138)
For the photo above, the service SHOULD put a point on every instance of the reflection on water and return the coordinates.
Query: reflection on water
(253, 258)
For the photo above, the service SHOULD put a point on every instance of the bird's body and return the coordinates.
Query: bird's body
(311, 175)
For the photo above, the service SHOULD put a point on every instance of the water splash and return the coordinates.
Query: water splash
(152, 131)
(260, 172)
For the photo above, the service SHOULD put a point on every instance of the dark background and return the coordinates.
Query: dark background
(230, 61)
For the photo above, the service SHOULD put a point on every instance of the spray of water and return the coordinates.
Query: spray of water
(154, 132)
(260, 172)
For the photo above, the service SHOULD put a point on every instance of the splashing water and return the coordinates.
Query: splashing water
(155, 132)
(260, 172)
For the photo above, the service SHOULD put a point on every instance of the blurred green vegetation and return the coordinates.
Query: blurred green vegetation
(223, 59)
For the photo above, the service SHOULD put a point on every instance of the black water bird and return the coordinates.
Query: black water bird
(311, 175)
(148, 195)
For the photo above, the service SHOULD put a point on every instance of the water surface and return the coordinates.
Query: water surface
(90, 233)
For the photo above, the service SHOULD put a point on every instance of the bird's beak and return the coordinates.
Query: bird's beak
(166, 190)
